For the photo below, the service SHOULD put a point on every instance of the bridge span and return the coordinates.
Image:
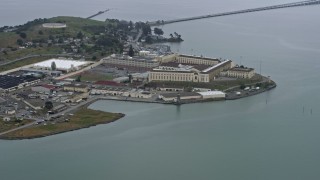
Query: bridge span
(266, 8)
(97, 14)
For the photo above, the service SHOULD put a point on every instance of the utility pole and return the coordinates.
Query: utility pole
(260, 70)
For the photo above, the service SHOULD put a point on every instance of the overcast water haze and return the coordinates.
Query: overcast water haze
(263, 137)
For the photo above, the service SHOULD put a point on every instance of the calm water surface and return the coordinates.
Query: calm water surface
(261, 137)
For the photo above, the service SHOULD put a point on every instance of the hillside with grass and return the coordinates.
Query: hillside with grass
(82, 37)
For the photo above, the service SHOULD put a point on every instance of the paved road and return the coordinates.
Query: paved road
(36, 120)
(135, 41)
(73, 108)
(32, 56)
(264, 79)
(138, 36)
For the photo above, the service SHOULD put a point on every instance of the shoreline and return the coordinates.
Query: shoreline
(182, 102)
(86, 104)
(4, 137)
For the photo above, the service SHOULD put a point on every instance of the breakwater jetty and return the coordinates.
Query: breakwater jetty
(97, 14)
(266, 8)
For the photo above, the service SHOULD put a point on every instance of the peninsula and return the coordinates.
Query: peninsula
(52, 69)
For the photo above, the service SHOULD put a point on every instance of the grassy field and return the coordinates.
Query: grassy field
(75, 25)
(8, 38)
(12, 55)
(219, 85)
(22, 63)
(6, 126)
(83, 118)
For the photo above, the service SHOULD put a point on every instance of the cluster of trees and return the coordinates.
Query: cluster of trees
(131, 51)
(4, 28)
(119, 24)
(158, 31)
(48, 105)
(25, 26)
(175, 37)
(28, 25)
(53, 66)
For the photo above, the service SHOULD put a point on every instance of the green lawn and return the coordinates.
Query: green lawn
(12, 55)
(22, 63)
(83, 118)
(6, 126)
(74, 26)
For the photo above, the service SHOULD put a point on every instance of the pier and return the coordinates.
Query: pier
(97, 14)
(266, 8)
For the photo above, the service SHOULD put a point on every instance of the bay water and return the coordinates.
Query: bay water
(267, 136)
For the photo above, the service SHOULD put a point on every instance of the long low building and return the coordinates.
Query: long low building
(182, 76)
(137, 61)
(239, 72)
(76, 88)
(10, 83)
(121, 91)
(213, 95)
(187, 59)
(173, 97)
(215, 70)
(64, 65)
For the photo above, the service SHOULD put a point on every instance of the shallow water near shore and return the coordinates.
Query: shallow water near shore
(267, 136)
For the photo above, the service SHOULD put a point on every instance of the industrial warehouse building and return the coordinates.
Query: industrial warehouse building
(61, 65)
(213, 95)
(10, 83)
(172, 97)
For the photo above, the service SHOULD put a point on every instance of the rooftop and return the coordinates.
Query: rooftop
(182, 94)
(134, 58)
(199, 57)
(48, 86)
(107, 83)
(216, 66)
(241, 69)
(61, 63)
(76, 85)
(7, 81)
(207, 93)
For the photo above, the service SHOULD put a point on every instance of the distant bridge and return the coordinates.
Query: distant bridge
(266, 8)
(97, 14)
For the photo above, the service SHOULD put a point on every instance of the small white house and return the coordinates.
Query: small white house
(6, 119)
(10, 111)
